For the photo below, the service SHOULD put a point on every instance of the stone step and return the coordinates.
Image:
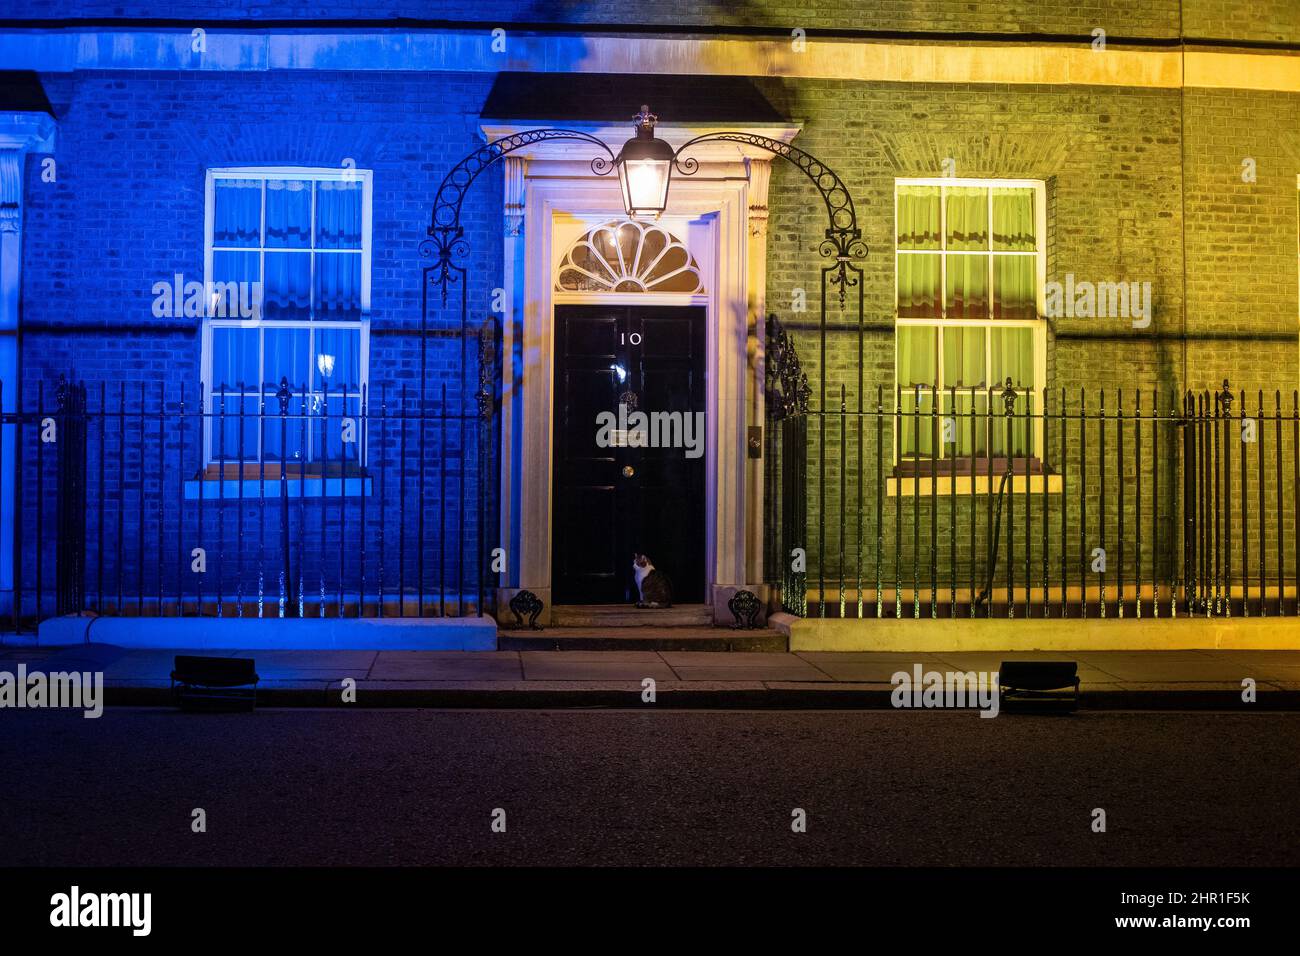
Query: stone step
(625, 615)
(641, 639)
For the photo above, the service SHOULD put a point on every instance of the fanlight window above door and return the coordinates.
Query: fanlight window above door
(628, 256)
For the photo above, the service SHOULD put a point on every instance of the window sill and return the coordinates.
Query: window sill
(232, 489)
(946, 485)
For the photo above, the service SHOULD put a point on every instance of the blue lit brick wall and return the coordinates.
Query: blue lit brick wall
(126, 211)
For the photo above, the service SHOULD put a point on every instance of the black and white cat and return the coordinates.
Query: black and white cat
(653, 586)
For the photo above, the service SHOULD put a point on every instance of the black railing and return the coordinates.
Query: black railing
(1005, 502)
(277, 501)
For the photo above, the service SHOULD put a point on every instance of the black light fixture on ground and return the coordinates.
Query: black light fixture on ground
(644, 167)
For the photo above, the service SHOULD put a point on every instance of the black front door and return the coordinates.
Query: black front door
(616, 493)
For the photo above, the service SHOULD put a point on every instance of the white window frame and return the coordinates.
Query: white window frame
(315, 174)
(1038, 325)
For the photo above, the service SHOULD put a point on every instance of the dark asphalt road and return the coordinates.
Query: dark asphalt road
(419, 787)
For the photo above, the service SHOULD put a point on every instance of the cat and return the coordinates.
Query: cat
(654, 587)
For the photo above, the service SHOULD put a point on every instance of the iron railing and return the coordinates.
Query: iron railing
(1038, 503)
(279, 501)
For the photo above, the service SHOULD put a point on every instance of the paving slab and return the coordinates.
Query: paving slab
(1088, 671)
(596, 670)
(1180, 671)
(731, 659)
(444, 665)
(653, 657)
(860, 657)
(309, 660)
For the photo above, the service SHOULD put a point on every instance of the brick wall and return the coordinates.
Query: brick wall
(126, 211)
(1121, 167)
(1114, 162)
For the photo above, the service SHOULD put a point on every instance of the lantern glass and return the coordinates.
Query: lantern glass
(645, 185)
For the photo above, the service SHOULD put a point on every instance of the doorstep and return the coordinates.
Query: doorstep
(641, 639)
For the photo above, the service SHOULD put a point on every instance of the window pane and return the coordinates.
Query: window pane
(287, 286)
(236, 266)
(1013, 219)
(1014, 296)
(338, 360)
(1013, 356)
(970, 429)
(967, 209)
(338, 285)
(963, 356)
(916, 355)
(968, 281)
(285, 434)
(338, 418)
(237, 212)
(288, 213)
(918, 217)
(227, 428)
(918, 286)
(286, 354)
(338, 215)
(234, 358)
(917, 425)
(1013, 435)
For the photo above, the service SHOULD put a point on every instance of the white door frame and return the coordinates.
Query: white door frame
(552, 198)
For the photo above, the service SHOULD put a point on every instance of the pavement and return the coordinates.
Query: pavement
(1123, 680)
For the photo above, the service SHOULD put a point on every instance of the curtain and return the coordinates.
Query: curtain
(288, 214)
(287, 285)
(967, 286)
(1013, 219)
(918, 217)
(338, 285)
(967, 210)
(918, 275)
(1014, 292)
(1014, 277)
(1012, 352)
(234, 371)
(234, 359)
(237, 215)
(286, 354)
(338, 226)
(918, 286)
(338, 215)
(917, 365)
(338, 360)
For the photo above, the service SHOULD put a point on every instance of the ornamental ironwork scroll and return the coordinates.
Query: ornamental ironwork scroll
(843, 240)
(786, 386)
(446, 234)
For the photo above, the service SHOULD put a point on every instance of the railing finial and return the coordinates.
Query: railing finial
(1225, 398)
(283, 395)
(1008, 398)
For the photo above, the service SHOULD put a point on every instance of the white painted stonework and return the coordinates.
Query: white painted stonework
(551, 199)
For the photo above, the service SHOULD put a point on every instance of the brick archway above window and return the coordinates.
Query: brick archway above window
(628, 256)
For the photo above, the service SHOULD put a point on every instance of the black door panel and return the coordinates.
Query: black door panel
(612, 502)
